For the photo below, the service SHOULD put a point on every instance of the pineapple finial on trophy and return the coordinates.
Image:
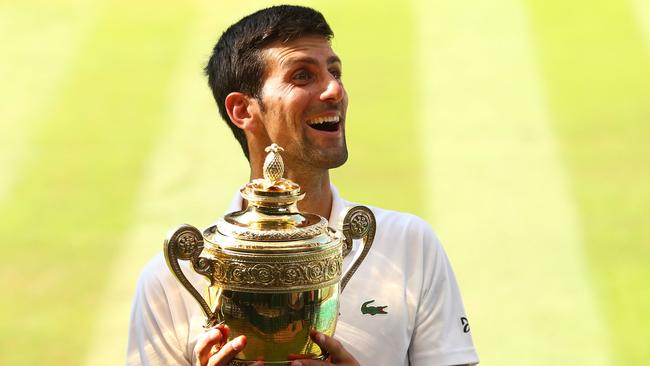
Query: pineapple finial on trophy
(273, 165)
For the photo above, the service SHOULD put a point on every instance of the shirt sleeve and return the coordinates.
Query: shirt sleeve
(441, 335)
(153, 340)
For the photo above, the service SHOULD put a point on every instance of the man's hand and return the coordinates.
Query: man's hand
(338, 354)
(211, 348)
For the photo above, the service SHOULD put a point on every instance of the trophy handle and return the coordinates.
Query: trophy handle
(186, 243)
(358, 223)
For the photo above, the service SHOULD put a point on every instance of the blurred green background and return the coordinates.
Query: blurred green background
(518, 129)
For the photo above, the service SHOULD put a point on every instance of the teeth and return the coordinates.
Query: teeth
(319, 120)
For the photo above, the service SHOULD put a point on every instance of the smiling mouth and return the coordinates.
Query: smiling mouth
(329, 123)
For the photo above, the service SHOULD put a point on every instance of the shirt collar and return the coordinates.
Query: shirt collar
(236, 203)
(338, 204)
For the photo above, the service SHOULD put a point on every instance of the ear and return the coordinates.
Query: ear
(242, 110)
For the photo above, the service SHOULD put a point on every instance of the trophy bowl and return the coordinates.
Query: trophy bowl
(274, 273)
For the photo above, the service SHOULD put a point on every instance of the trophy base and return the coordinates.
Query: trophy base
(238, 362)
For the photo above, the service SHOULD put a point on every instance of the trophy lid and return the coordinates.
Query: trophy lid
(271, 222)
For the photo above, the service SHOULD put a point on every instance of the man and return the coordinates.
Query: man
(276, 79)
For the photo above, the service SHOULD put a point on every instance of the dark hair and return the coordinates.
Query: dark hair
(236, 64)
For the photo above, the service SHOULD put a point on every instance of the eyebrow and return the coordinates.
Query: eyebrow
(310, 60)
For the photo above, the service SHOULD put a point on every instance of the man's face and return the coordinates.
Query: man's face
(304, 102)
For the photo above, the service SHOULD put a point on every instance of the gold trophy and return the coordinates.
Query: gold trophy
(274, 273)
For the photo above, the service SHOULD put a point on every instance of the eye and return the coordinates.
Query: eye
(302, 75)
(336, 72)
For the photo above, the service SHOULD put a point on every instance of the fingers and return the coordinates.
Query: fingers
(331, 346)
(227, 352)
(218, 335)
(206, 341)
(328, 345)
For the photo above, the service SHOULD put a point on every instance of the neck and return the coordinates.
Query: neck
(315, 182)
(318, 197)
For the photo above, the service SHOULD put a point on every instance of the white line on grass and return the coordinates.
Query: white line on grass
(499, 195)
(641, 9)
(192, 176)
(39, 45)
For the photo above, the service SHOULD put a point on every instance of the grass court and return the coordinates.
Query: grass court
(518, 129)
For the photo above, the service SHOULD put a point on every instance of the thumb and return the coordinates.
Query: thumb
(328, 344)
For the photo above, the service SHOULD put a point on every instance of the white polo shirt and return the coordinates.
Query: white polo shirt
(401, 307)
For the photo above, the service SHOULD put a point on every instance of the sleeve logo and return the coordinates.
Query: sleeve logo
(465, 324)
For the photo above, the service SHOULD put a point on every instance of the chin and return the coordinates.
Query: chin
(339, 162)
(330, 161)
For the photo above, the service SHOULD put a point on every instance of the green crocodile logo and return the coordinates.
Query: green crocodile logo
(372, 310)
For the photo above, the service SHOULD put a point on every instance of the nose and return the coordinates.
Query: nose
(334, 90)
